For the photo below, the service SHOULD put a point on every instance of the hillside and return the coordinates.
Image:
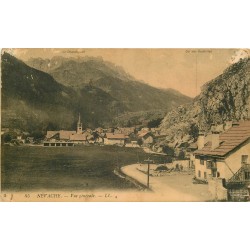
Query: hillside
(224, 98)
(135, 95)
(33, 100)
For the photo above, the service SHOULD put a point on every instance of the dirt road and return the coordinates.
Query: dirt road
(178, 187)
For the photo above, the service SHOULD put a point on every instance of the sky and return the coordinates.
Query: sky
(185, 70)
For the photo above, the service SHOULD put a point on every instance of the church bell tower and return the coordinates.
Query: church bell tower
(79, 125)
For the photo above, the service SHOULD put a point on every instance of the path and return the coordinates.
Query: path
(177, 187)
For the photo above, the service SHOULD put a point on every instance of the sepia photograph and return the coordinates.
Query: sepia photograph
(125, 124)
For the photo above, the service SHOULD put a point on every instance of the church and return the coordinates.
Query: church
(66, 137)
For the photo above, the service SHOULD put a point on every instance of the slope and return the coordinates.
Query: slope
(33, 100)
(224, 98)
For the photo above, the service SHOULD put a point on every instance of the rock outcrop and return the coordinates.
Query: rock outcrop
(224, 98)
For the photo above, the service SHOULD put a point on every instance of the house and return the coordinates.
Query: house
(62, 135)
(79, 138)
(224, 160)
(146, 137)
(155, 131)
(115, 139)
(30, 139)
(20, 138)
(99, 130)
(144, 129)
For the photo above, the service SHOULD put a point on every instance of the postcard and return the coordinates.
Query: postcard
(114, 125)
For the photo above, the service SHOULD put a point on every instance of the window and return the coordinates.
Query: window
(244, 159)
(214, 172)
(218, 174)
(205, 175)
(199, 173)
(202, 161)
(209, 164)
(247, 175)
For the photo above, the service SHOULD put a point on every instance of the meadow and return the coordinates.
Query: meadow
(33, 168)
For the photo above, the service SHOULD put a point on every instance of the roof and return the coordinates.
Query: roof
(116, 136)
(65, 134)
(228, 141)
(78, 137)
(144, 133)
(193, 145)
(51, 134)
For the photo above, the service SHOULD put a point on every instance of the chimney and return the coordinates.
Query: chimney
(215, 139)
(201, 140)
(228, 125)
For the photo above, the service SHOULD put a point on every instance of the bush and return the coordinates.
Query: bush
(168, 150)
(140, 142)
(181, 155)
(194, 131)
(8, 137)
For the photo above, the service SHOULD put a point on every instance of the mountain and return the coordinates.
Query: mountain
(227, 97)
(75, 72)
(104, 95)
(135, 95)
(33, 100)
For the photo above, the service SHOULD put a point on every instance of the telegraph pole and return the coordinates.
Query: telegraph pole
(148, 161)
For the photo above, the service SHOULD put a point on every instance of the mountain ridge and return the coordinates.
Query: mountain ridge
(33, 99)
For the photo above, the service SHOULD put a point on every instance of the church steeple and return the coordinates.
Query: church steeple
(79, 125)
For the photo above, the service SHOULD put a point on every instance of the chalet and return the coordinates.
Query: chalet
(225, 158)
(146, 137)
(115, 139)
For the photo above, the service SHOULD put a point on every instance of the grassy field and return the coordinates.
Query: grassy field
(26, 168)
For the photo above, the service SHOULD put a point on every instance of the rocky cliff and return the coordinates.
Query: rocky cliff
(224, 98)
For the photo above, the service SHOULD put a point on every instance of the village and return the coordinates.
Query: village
(218, 160)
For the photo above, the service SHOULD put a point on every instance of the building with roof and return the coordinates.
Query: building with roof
(54, 137)
(190, 154)
(225, 156)
(78, 138)
(115, 139)
(61, 135)
(146, 137)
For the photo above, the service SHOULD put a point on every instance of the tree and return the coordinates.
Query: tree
(51, 126)
(38, 135)
(194, 131)
(154, 123)
(95, 135)
(8, 137)
(168, 150)
(140, 142)
(181, 155)
(129, 124)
